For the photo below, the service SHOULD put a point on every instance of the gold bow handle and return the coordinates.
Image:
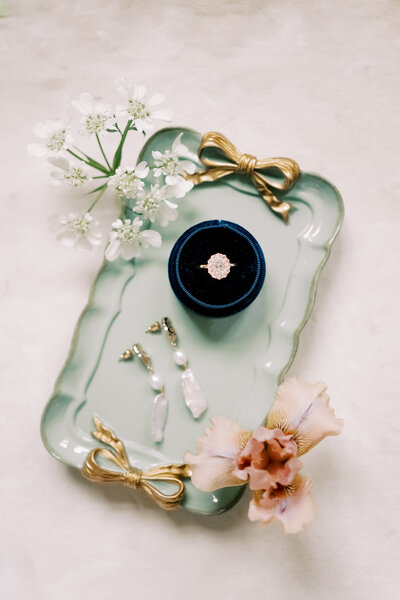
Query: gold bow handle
(132, 476)
(225, 159)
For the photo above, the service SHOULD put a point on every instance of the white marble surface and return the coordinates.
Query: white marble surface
(316, 80)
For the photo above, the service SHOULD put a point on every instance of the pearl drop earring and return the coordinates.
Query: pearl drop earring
(160, 402)
(192, 392)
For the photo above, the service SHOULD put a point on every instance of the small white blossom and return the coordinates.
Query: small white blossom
(127, 238)
(168, 163)
(75, 230)
(138, 110)
(55, 138)
(155, 206)
(97, 114)
(75, 176)
(127, 181)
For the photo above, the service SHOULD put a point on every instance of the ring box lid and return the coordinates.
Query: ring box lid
(196, 288)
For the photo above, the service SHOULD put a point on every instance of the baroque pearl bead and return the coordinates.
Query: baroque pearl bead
(159, 417)
(156, 382)
(192, 392)
(180, 357)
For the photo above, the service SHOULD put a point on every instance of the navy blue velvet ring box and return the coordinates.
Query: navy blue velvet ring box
(196, 288)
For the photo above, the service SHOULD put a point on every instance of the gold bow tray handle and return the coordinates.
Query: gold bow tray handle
(221, 158)
(131, 476)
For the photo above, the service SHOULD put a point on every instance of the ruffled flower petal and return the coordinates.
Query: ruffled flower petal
(139, 92)
(269, 458)
(180, 189)
(183, 151)
(177, 146)
(302, 410)
(293, 507)
(172, 179)
(151, 237)
(188, 166)
(142, 170)
(113, 250)
(212, 468)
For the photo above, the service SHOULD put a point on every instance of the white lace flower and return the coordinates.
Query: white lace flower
(75, 230)
(168, 163)
(155, 206)
(55, 138)
(127, 181)
(97, 114)
(140, 111)
(127, 238)
(75, 176)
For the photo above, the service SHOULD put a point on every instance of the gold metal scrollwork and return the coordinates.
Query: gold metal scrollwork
(132, 476)
(234, 162)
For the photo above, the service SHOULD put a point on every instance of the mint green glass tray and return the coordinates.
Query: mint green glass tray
(238, 360)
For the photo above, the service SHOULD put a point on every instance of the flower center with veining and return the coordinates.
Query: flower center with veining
(57, 140)
(137, 109)
(96, 123)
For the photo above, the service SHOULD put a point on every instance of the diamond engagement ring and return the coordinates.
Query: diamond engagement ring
(218, 266)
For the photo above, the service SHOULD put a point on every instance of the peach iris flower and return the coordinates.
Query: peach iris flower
(268, 458)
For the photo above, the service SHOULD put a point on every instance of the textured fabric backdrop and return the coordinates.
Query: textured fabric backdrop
(316, 80)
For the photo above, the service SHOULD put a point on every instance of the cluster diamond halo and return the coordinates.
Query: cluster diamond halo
(218, 266)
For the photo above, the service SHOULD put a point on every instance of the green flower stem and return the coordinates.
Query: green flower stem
(89, 161)
(101, 191)
(76, 156)
(118, 152)
(102, 151)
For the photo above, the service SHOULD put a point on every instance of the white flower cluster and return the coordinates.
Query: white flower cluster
(55, 136)
(127, 182)
(142, 113)
(74, 176)
(78, 171)
(77, 231)
(155, 206)
(127, 238)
